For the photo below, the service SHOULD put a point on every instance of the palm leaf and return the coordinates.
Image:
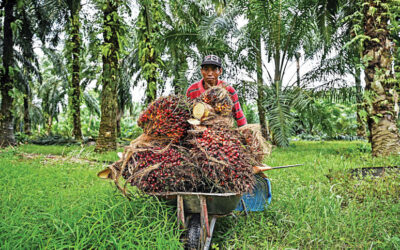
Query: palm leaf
(91, 103)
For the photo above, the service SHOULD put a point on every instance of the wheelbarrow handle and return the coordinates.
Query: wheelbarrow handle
(287, 166)
(264, 167)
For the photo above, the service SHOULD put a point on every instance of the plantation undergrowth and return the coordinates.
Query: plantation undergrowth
(58, 202)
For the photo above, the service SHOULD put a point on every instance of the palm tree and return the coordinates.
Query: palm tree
(25, 78)
(191, 25)
(54, 89)
(255, 27)
(129, 77)
(381, 89)
(75, 90)
(124, 96)
(250, 37)
(332, 72)
(33, 23)
(336, 28)
(107, 132)
(26, 60)
(282, 28)
(71, 22)
(6, 118)
(177, 41)
(149, 38)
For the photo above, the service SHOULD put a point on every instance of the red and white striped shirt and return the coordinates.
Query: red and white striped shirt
(196, 89)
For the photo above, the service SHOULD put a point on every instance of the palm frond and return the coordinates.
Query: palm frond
(36, 114)
(279, 118)
(91, 103)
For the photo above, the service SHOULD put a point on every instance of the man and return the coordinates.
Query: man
(211, 69)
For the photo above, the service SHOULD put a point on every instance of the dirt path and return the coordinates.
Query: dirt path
(59, 158)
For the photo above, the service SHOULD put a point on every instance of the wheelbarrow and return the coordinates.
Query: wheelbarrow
(197, 213)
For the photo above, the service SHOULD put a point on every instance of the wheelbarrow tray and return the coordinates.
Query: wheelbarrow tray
(217, 203)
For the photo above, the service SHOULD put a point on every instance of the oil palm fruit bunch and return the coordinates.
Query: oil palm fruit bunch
(159, 169)
(223, 162)
(219, 98)
(166, 117)
(252, 138)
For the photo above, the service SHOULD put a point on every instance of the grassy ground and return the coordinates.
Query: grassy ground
(58, 202)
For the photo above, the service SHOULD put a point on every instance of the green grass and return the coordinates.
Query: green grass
(53, 204)
(306, 212)
(60, 203)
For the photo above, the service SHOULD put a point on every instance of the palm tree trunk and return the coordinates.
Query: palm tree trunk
(380, 86)
(75, 90)
(49, 125)
(260, 91)
(148, 31)
(359, 97)
(151, 78)
(27, 119)
(120, 113)
(277, 72)
(277, 54)
(6, 118)
(297, 56)
(179, 72)
(107, 139)
(397, 59)
(277, 83)
(17, 125)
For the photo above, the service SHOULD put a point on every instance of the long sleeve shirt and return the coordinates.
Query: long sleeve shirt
(196, 89)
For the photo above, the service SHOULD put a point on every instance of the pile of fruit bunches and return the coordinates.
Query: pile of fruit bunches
(166, 117)
(213, 160)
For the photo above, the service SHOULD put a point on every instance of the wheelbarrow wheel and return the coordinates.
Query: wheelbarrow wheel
(193, 232)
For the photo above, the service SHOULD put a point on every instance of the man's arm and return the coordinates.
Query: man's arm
(193, 91)
(237, 110)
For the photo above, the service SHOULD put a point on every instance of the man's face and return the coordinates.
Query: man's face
(210, 74)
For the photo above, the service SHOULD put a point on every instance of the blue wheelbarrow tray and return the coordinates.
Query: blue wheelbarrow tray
(259, 198)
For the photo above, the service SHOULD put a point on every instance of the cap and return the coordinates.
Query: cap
(213, 60)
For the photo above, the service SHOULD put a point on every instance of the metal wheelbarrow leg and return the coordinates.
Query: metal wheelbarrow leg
(199, 227)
